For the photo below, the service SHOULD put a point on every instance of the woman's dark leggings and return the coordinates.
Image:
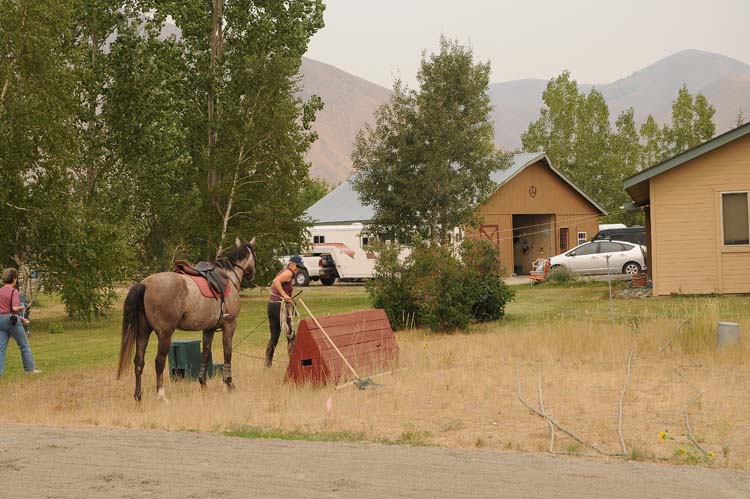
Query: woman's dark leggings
(274, 321)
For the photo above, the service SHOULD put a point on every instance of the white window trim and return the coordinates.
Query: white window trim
(585, 238)
(721, 221)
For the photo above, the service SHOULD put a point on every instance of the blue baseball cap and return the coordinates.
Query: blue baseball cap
(297, 260)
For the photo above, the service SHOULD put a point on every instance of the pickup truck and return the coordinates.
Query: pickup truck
(319, 268)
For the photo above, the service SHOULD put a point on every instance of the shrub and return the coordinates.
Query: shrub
(390, 290)
(485, 285)
(441, 291)
(561, 275)
(56, 328)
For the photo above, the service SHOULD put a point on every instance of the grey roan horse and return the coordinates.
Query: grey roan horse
(167, 301)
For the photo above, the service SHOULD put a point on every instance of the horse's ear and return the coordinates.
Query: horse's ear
(237, 242)
(252, 242)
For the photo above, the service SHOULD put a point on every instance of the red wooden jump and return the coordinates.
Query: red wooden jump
(365, 338)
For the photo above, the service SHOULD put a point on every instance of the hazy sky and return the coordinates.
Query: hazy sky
(598, 41)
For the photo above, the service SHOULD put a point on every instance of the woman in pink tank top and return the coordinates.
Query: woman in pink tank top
(12, 321)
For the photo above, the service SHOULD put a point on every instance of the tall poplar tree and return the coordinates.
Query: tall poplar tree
(44, 152)
(574, 130)
(692, 123)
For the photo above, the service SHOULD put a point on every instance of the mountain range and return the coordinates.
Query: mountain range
(350, 101)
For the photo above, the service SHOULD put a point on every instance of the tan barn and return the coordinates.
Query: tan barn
(535, 212)
(696, 206)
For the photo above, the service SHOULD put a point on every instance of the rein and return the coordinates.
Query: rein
(239, 280)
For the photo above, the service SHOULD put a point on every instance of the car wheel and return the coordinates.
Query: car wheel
(302, 279)
(631, 268)
(327, 281)
(556, 266)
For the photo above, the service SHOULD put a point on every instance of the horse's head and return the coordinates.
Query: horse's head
(246, 257)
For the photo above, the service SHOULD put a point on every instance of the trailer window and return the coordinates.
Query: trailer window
(734, 214)
(365, 241)
(319, 239)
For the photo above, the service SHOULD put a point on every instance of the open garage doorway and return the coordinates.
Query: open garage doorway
(533, 238)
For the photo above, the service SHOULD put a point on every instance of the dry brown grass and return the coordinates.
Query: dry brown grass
(459, 391)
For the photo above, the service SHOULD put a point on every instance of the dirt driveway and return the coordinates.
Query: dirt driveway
(96, 462)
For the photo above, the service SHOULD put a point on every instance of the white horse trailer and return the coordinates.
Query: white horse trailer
(348, 247)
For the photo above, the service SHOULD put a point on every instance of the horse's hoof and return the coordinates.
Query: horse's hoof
(230, 385)
(162, 395)
(202, 382)
(137, 397)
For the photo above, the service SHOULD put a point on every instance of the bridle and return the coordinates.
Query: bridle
(244, 270)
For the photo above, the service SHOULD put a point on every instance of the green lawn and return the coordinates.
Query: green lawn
(589, 301)
(76, 345)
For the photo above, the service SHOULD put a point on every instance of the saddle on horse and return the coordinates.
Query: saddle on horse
(217, 281)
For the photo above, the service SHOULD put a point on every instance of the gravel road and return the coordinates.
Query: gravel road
(101, 462)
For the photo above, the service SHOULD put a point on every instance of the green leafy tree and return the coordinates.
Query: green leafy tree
(426, 163)
(626, 143)
(625, 156)
(147, 102)
(692, 123)
(121, 149)
(247, 129)
(314, 189)
(654, 149)
(703, 124)
(555, 130)
(51, 225)
(574, 130)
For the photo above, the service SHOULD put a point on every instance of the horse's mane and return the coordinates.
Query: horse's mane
(233, 256)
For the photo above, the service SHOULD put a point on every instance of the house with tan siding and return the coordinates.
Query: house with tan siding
(697, 222)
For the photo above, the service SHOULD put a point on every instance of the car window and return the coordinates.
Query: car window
(627, 247)
(587, 249)
(607, 247)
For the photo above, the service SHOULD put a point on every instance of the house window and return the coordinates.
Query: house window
(319, 239)
(365, 241)
(734, 213)
(582, 238)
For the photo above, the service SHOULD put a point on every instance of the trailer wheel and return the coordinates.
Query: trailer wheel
(327, 281)
(302, 279)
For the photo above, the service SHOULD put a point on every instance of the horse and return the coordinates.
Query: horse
(166, 301)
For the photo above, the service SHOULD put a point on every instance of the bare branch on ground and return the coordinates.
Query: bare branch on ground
(558, 425)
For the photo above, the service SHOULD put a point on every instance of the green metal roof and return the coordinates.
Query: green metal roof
(632, 184)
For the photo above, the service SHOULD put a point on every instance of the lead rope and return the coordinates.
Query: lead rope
(288, 313)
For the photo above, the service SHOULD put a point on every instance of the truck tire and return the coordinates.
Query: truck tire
(327, 281)
(301, 279)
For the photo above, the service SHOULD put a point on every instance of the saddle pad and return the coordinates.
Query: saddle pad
(206, 289)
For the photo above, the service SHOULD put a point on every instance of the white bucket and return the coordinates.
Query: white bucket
(727, 334)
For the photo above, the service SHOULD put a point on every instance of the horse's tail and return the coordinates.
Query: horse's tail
(133, 319)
